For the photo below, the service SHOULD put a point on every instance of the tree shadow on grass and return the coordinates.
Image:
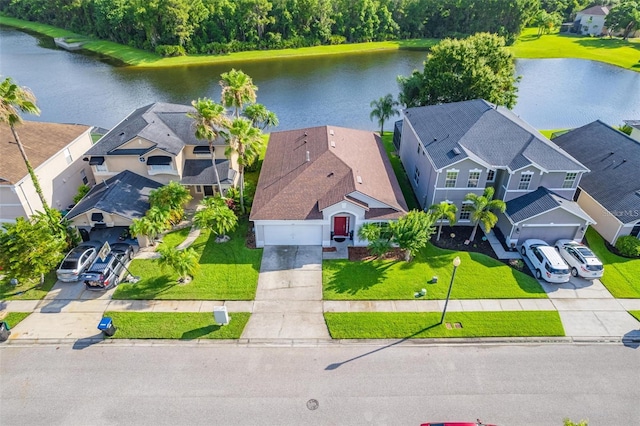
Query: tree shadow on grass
(354, 277)
(199, 332)
(145, 289)
(606, 43)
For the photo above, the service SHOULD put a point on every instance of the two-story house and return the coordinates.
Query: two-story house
(55, 152)
(451, 150)
(158, 142)
(591, 20)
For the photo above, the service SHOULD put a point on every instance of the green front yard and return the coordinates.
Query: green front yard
(621, 274)
(13, 318)
(27, 290)
(228, 271)
(417, 325)
(176, 325)
(477, 277)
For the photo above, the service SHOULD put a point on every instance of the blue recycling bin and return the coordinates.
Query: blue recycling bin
(107, 327)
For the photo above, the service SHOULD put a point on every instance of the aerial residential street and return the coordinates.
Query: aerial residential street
(192, 384)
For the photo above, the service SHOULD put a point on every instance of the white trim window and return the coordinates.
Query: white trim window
(525, 180)
(101, 168)
(416, 175)
(491, 175)
(569, 180)
(451, 178)
(465, 212)
(67, 156)
(198, 189)
(474, 178)
(83, 175)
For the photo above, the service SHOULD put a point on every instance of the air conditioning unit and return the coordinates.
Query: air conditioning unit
(142, 159)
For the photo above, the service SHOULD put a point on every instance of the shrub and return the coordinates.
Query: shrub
(628, 246)
(82, 191)
(169, 50)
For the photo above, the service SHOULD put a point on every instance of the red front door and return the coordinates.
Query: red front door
(340, 226)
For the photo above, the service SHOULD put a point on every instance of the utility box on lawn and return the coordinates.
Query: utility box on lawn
(220, 315)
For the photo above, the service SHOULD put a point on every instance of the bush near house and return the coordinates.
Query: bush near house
(628, 246)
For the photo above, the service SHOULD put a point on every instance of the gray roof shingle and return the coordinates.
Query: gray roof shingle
(495, 135)
(540, 201)
(200, 172)
(614, 161)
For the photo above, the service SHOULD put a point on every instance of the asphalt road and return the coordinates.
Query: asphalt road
(353, 385)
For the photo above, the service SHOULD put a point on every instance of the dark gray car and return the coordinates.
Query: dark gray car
(104, 274)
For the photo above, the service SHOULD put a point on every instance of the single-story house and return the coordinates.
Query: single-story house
(55, 152)
(611, 192)
(322, 184)
(113, 202)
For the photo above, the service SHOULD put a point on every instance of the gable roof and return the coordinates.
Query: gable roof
(595, 10)
(307, 170)
(41, 141)
(125, 194)
(480, 130)
(166, 125)
(541, 201)
(614, 160)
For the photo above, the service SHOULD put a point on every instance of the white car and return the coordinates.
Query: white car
(581, 259)
(547, 263)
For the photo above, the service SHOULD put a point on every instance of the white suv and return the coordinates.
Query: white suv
(547, 263)
(581, 259)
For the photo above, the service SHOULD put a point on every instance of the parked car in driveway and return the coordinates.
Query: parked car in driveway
(104, 274)
(582, 261)
(546, 261)
(77, 260)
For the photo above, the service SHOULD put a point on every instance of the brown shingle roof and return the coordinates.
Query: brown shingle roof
(40, 140)
(292, 188)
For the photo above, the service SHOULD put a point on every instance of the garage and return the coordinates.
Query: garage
(550, 234)
(292, 235)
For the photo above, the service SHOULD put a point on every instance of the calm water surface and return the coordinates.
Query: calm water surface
(75, 88)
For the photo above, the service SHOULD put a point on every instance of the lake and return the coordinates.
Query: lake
(310, 91)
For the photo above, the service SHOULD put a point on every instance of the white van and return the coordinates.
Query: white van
(547, 262)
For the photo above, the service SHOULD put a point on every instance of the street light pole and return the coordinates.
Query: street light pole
(456, 263)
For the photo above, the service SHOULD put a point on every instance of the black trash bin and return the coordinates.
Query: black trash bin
(107, 327)
(4, 331)
(84, 234)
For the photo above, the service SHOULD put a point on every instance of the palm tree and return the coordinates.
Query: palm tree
(237, 90)
(146, 227)
(482, 207)
(383, 109)
(184, 262)
(208, 118)
(245, 141)
(14, 98)
(217, 216)
(441, 211)
(260, 116)
(173, 197)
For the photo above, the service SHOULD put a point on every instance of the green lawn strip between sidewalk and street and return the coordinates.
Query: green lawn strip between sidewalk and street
(636, 314)
(228, 271)
(477, 277)
(416, 325)
(620, 273)
(401, 175)
(27, 290)
(614, 51)
(14, 318)
(176, 325)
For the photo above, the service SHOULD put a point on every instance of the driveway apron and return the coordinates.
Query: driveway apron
(288, 303)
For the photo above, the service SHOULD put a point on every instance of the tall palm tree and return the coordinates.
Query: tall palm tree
(14, 98)
(482, 207)
(260, 116)
(245, 141)
(209, 117)
(237, 90)
(383, 109)
(441, 211)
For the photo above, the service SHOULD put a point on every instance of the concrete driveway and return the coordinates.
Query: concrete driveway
(288, 303)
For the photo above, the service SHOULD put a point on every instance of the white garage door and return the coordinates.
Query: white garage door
(292, 235)
(549, 234)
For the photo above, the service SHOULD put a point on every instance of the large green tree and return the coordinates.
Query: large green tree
(173, 197)
(412, 232)
(209, 120)
(482, 208)
(624, 17)
(479, 66)
(237, 90)
(216, 216)
(383, 109)
(13, 100)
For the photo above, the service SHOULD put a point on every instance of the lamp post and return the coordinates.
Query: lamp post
(456, 263)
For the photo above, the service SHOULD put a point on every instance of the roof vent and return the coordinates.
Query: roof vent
(333, 144)
(308, 158)
(331, 132)
(456, 151)
(359, 179)
(608, 155)
(305, 133)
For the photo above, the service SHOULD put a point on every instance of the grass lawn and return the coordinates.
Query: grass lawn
(621, 274)
(636, 314)
(477, 277)
(401, 175)
(416, 325)
(13, 318)
(228, 271)
(174, 238)
(27, 290)
(623, 53)
(176, 325)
